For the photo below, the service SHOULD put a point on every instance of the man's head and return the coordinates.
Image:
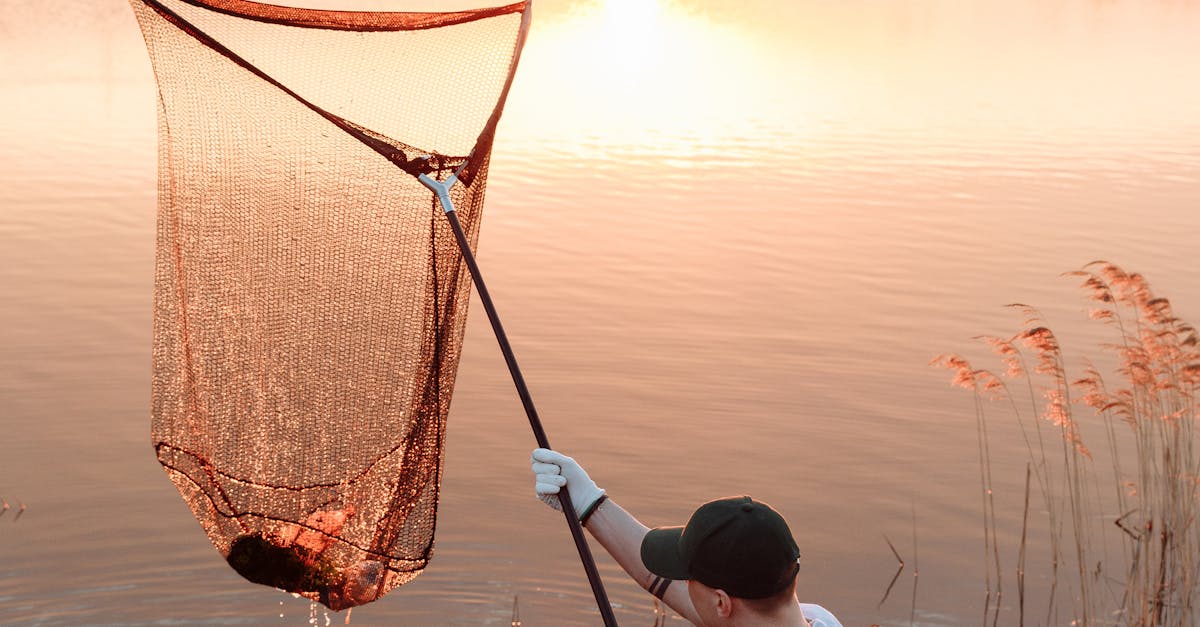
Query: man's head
(736, 545)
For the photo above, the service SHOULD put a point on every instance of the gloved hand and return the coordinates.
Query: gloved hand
(555, 470)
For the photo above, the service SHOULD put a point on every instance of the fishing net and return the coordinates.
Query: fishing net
(310, 298)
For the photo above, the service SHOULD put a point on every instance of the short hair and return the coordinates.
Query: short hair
(774, 602)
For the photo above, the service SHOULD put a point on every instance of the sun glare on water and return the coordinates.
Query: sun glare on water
(629, 67)
(626, 47)
(631, 9)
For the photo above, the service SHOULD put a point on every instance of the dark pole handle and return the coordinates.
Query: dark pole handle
(564, 498)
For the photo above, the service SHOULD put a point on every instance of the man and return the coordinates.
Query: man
(734, 564)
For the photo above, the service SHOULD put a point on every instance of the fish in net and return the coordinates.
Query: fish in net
(310, 297)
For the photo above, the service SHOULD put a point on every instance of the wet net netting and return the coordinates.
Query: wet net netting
(310, 298)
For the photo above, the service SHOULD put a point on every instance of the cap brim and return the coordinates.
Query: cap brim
(660, 553)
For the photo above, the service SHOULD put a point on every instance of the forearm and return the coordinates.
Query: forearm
(621, 535)
(616, 529)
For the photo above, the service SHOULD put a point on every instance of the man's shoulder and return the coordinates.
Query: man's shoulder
(819, 616)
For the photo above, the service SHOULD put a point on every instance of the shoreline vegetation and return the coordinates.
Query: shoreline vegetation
(1138, 489)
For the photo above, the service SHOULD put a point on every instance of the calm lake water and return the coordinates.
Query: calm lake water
(726, 239)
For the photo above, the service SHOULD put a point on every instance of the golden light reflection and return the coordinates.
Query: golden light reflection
(619, 69)
(624, 10)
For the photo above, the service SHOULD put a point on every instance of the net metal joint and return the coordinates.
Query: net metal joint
(441, 188)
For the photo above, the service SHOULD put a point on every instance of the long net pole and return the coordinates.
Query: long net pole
(539, 433)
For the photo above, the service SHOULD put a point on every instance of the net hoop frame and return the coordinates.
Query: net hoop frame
(362, 21)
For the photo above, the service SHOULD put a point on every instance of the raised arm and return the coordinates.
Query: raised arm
(614, 528)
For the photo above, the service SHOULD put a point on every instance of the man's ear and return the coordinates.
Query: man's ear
(724, 603)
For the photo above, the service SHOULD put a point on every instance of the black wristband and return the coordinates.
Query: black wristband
(587, 513)
(659, 586)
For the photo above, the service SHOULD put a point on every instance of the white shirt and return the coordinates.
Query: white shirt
(818, 616)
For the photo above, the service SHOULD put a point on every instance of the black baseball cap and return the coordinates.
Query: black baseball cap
(737, 544)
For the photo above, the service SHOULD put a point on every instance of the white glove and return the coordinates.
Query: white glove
(555, 470)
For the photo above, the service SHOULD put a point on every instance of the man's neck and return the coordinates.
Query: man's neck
(789, 615)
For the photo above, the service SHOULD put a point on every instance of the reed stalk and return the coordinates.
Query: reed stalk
(1152, 460)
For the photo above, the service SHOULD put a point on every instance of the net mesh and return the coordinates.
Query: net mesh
(310, 298)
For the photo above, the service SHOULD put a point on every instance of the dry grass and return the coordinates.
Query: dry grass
(1147, 413)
